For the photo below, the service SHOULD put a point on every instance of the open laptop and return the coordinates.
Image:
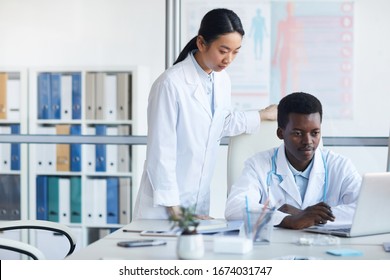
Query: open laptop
(372, 209)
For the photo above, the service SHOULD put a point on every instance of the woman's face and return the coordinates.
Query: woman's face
(220, 53)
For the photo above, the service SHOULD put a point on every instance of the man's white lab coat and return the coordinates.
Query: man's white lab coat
(343, 185)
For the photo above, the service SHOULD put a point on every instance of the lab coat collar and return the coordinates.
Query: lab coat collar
(316, 180)
(315, 188)
(288, 183)
(192, 78)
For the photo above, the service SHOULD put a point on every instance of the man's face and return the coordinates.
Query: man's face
(301, 138)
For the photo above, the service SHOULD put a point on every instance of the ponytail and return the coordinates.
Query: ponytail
(191, 45)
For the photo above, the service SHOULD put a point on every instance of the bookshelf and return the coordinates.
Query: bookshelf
(13, 160)
(89, 185)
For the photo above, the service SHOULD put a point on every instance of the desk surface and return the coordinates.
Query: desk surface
(283, 246)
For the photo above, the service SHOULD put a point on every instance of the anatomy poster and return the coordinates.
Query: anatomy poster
(288, 46)
(312, 51)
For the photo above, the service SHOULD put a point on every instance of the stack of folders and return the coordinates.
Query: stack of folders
(108, 200)
(108, 96)
(68, 157)
(59, 96)
(109, 158)
(58, 157)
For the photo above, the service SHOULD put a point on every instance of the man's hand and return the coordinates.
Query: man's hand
(317, 214)
(289, 209)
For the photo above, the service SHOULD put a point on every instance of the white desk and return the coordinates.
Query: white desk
(283, 244)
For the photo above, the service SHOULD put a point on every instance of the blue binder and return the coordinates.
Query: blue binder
(75, 150)
(76, 96)
(15, 149)
(55, 86)
(41, 193)
(44, 96)
(112, 200)
(100, 161)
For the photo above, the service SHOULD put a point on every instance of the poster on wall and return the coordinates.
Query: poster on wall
(288, 46)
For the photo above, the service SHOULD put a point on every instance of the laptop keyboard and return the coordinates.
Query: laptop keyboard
(342, 229)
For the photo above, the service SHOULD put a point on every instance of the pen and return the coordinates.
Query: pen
(141, 243)
(300, 258)
(131, 230)
(262, 224)
(248, 215)
(261, 215)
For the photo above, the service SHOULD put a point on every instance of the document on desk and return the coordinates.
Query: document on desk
(230, 228)
(213, 226)
(165, 233)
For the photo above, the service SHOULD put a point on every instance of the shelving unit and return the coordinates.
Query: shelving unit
(92, 102)
(13, 157)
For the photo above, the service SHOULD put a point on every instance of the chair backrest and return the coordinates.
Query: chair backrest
(30, 250)
(243, 146)
(388, 156)
(22, 248)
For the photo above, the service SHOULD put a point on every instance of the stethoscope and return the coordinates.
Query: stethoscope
(280, 178)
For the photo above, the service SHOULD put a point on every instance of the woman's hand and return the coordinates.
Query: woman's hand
(174, 211)
(204, 217)
(269, 113)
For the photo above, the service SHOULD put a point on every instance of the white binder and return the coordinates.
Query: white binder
(5, 151)
(100, 203)
(13, 99)
(88, 211)
(90, 152)
(90, 92)
(66, 97)
(110, 97)
(123, 96)
(112, 152)
(64, 200)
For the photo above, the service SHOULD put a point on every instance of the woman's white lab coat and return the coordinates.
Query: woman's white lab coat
(183, 138)
(342, 191)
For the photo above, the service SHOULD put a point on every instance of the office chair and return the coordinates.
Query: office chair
(243, 146)
(27, 249)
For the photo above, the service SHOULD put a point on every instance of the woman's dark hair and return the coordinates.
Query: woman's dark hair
(297, 102)
(215, 23)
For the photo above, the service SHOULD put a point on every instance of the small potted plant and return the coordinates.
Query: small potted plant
(190, 242)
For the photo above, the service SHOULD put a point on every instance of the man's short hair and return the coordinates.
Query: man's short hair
(300, 103)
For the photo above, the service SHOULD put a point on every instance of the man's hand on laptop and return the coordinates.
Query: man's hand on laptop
(317, 214)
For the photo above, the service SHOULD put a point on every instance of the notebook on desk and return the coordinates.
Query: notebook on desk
(372, 209)
(205, 227)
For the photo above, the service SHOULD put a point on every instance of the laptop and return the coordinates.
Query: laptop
(372, 209)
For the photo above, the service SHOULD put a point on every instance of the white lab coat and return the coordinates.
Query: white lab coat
(343, 185)
(183, 138)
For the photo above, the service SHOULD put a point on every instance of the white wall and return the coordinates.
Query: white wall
(36, 33)
(371, 73)
(90, 33)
